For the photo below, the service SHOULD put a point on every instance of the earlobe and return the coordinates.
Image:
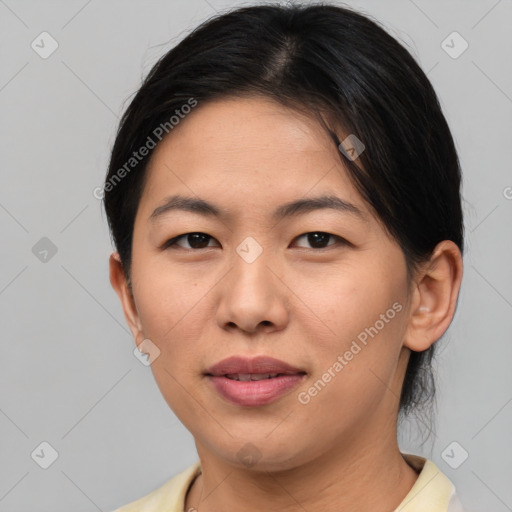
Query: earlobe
(435, 296)
(120, 285)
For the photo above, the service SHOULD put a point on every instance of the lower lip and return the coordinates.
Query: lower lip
(255, 392)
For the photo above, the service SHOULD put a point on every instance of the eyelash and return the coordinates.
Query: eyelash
(172, 243)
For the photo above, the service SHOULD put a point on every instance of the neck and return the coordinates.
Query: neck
(369, 478)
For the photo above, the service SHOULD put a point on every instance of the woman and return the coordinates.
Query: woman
(284, 197)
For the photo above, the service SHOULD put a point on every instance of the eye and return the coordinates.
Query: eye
(318, 239)
(196, 240)
(199, 240)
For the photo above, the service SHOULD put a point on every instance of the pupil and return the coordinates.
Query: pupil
(313, 238)
(196, 240)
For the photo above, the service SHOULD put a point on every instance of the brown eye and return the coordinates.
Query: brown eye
(196, 240)
(320, 239)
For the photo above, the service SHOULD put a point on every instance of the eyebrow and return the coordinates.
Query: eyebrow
(291, 209)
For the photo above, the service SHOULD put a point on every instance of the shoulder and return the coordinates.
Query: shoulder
(432, 492)
(170, 497)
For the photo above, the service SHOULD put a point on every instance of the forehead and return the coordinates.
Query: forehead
(250, 151)
(254, 121)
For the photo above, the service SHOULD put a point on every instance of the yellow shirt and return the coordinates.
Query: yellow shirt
(432, 491)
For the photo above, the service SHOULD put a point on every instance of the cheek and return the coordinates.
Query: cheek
(173, 309)
(340, 302)
(354, 372)
(173, 316)
(356, 333)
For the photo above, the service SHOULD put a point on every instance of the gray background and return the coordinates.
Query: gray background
(68, 375)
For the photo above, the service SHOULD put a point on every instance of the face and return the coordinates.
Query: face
(321, 289)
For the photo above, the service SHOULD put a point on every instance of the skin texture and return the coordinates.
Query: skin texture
(295, 302)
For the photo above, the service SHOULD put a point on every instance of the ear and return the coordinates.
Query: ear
(124, 292)
(434, 296)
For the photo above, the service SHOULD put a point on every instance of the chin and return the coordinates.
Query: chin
(261, 454)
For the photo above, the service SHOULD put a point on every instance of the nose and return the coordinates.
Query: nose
(253, 297)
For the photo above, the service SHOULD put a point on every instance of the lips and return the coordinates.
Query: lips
(252, 376)
(242, 368)
(253, 382)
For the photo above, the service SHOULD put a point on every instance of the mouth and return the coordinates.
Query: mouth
(245, 377)
(253, 382)
(257, 390)
(256, 368)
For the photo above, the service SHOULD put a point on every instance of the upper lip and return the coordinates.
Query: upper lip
(260, 364)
